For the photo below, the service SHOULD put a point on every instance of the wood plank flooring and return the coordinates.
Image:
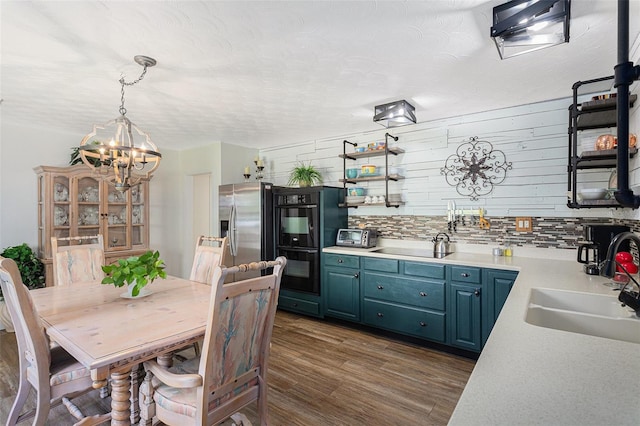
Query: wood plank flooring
(322, 373)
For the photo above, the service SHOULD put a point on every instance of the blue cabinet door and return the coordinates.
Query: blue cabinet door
(464, 316)
(498, 284)
(341, 287)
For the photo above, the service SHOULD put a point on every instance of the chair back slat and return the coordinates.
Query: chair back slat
(78, 261)
(236, 345)
(210, 252)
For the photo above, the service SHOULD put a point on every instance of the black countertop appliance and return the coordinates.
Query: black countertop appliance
(594, 251)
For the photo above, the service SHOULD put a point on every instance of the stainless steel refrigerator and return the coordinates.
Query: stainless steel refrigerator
(246, 217)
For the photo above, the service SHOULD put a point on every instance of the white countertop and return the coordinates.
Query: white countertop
(530, 375)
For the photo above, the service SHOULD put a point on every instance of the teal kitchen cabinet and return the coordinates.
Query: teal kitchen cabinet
(464, 307)
(341, 286)
(295, 301)
(404, 304)
(497, 284)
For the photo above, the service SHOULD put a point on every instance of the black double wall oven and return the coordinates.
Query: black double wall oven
(297, 224)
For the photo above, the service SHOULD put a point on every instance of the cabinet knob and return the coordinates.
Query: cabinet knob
(464, 274)
(356, 275)
(380, 315)
(340, 261)
(423, 324)
(477, 292)
(295, 305)
(423, 294)
(380, 287)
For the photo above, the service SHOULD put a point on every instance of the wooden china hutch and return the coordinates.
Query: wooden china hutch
(79, 201)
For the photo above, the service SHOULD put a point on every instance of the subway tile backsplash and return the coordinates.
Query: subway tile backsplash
(548, 232)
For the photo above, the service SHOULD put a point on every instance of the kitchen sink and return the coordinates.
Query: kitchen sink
(585, 313)
(402, 251)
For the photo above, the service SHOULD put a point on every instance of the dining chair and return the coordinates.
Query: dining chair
(210, 252)
(80, 260)
(232, 370)
(55, 376)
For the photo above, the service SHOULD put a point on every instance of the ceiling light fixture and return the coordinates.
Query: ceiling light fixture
(523, 26)
(395, 114)
(111, 145)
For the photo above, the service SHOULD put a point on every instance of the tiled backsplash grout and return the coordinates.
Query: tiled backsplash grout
(547, 232)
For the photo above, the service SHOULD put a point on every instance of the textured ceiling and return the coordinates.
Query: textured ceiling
(269, 73)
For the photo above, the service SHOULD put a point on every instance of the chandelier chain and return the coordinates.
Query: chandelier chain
(123, 83)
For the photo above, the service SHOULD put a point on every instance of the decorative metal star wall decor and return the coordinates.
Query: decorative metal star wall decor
(475, 168)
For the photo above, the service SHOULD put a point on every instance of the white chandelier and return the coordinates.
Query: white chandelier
(111, 145)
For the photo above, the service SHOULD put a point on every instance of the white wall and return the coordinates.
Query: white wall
(24, 148)
(533, 137)
(225, 163)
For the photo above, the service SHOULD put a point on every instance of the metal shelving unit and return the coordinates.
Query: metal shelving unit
(386, 177)
(590, 115)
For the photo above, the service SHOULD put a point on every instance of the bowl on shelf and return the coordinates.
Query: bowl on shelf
(380, 145)
(594, 193)
(354, 199)
(368, 170)
(355, 191)
(360, 148)
(352, 173)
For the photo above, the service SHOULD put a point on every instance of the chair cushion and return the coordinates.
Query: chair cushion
(183, 401)
(64, 368)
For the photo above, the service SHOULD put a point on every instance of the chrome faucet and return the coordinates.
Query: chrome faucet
(627, 296)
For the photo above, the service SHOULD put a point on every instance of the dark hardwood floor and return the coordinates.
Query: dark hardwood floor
(322, 373)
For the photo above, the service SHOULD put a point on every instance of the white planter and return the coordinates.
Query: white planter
(129, 293)
(5, 318)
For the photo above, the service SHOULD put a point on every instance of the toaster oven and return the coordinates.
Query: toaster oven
(362, 238)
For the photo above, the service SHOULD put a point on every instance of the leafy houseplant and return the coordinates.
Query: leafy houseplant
(30, 267)
(304, 175)
(138, 270)
(76, 159)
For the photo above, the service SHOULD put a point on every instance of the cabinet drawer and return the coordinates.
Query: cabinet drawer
(466, 274)
(406, 320)
(409, 291)
(382, 265)
(299, 305)
(342, 260)
(426, 270)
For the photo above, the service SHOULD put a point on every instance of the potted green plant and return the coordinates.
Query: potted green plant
(96, 162)
(135, 271)
(304, 175)
(31, 271)
(30, 267)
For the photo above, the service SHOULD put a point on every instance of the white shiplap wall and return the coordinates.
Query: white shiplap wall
(533, 138)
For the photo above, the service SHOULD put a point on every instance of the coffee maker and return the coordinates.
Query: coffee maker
(595, 251)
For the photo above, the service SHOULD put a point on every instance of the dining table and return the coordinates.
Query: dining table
(111, 333)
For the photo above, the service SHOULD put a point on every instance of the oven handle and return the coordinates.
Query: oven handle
(298, 250)
(297, 206)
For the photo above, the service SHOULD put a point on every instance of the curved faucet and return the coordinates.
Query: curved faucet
(608, 268)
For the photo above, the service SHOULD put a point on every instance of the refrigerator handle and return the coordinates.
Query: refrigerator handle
(232, 232)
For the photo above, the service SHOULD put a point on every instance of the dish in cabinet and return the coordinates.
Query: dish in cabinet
(60, 193)
(60, 217)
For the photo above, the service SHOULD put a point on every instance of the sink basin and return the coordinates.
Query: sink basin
(585, 313)
(408, 252)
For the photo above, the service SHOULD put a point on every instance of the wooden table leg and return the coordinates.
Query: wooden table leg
(147, 405)
(137, 372)
(165, 360)
(120, 394)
